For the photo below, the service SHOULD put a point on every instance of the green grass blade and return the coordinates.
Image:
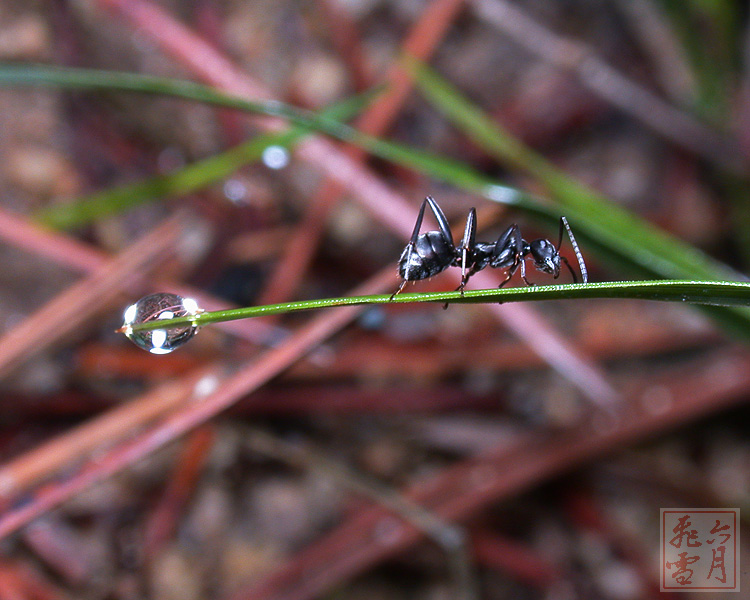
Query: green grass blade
(188, 179)
(712, 293)
(711, 33)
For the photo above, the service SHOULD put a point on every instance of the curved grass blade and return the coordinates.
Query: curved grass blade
(100, 80)
(712, 293)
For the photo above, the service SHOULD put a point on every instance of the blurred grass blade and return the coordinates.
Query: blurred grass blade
(188, 179)
(713, 293)
(711, 33)
(107, 81)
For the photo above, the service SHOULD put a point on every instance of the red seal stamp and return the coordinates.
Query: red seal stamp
(699, 549)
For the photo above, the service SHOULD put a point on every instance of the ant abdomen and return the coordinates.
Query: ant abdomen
(428, 256)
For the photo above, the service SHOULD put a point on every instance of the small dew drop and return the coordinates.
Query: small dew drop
(275, 157)
(501, 194)
(156, 307)
(235, 191)
(207, 385)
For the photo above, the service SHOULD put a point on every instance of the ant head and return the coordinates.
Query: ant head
(546, 257)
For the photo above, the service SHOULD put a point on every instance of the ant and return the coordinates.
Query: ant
(430, 253)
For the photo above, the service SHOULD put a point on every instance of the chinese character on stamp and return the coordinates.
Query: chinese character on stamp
(699, 549)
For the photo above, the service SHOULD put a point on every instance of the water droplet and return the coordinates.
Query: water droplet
(501, 193)
(206, 385)
(275, 157)
(236, 191)
(160, 306)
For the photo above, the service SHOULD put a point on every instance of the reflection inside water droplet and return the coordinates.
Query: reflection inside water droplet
(160, 306)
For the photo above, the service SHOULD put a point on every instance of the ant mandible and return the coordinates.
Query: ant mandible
(430, 253)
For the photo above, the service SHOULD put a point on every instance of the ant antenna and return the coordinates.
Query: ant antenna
(576, 249)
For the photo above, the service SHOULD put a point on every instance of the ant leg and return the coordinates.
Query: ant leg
(507, 252)
(465, 280)
(508, 276)
(418, 223)
(572, 272)
(462, 285)
(521, 251)
(523, 273)
(467, 244)
(441, 220)
(412, 242)
(512, 270)
(415, 234)
(401, 287)
(446, 232)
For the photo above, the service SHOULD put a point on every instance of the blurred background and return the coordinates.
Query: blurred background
(406, 451)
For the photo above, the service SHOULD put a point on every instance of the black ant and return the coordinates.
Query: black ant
(430, 253)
